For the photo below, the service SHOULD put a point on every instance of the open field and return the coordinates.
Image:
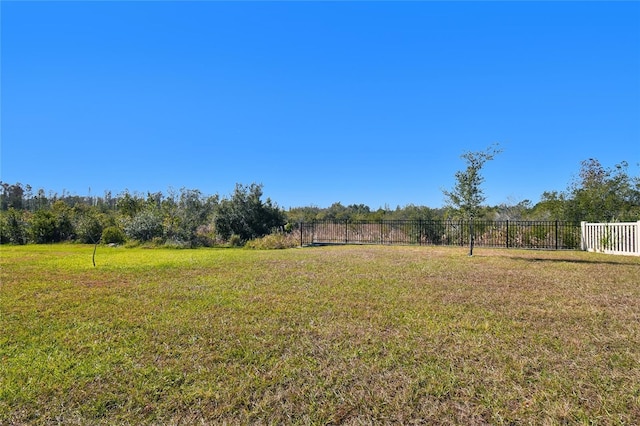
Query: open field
(331, 335)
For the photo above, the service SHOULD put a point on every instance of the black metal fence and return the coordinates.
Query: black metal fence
(551, 235)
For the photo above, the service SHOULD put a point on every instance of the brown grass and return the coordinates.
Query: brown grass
(333, 335)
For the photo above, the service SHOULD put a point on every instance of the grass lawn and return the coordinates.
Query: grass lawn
(332, 335)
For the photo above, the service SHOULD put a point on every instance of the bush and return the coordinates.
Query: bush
(235, 240)
(274, 241)
(113, 235)
(145, 226)
(205, 236)
(246, 216)
(177, 244)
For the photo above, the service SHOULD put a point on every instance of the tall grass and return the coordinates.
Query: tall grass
(352, 335)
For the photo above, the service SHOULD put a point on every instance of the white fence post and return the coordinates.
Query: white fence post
(583, 236)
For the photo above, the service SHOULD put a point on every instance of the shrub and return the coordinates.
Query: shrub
(246, 215)
(570, 238)
(205, 236)
(235, 240)
(113, 235)
(274, 241)
(145, 226)
(177, 244)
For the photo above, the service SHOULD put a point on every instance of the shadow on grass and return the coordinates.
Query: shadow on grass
(624, 261)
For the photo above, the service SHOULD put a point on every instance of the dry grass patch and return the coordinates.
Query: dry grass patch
(333, 335)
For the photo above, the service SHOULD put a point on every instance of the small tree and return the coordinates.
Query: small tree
(467, 195)
(89, 225)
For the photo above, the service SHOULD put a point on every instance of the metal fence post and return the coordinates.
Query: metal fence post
(346, 231)
(507, 233)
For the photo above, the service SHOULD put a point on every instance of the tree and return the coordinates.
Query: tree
(184, 215)
(11, 196)
(129, 205)
(467, 195)
(245, 215)
(64, 220)
(335, 212)
(603, 194)
(597, 194)
(513, 211)
(43, 227)
(13, 227)
(553, 205)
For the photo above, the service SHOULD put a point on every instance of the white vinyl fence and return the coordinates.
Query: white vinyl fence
(611, 238)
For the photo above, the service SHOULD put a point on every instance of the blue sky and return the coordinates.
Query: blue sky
(356, 102)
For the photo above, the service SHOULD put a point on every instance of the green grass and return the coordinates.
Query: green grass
(333, 335)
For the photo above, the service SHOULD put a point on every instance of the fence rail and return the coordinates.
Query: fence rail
(553, 235)
(611, 238)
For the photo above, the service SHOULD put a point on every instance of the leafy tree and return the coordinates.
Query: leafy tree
(184, 215)
(413, 212)
(43, 227)
(11, 196)
(603, 194)
(13, 227)
(246, 215)
(511, 211)
(467, 195)
(358, 211)
(154, 199)
(303, 214)
(64, 220)
(41, 201)
(553, 205)
(598, 194)
(128, 205)
(335, 212)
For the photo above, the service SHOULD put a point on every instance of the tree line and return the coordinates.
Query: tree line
(185, 218)
(189, 218)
